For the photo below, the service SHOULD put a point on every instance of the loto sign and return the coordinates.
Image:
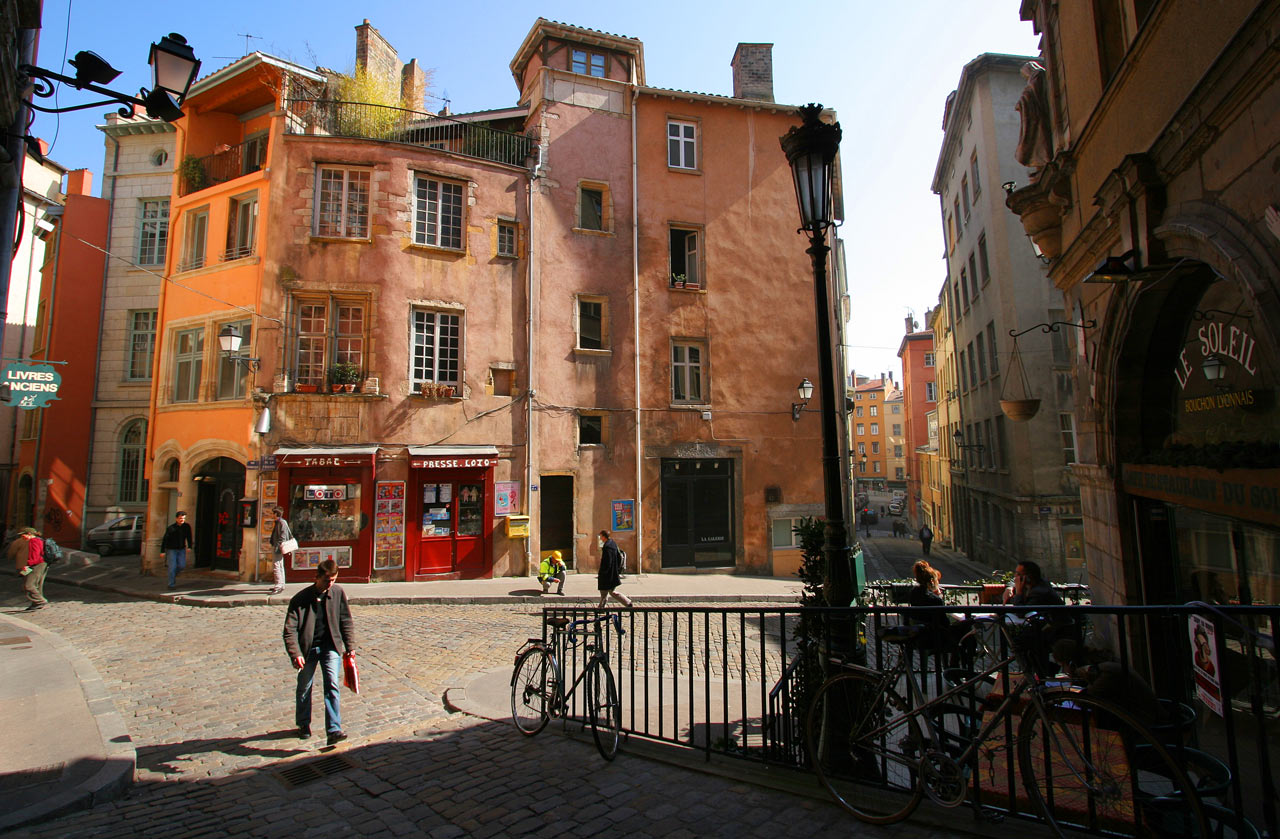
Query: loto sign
(32, 385)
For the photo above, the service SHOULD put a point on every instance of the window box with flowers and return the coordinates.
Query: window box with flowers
(344, 376)
(436, 390)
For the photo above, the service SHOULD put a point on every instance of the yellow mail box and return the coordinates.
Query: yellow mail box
(517, 527)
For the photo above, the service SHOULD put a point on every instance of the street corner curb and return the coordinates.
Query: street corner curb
(456, 700)
(117, 754)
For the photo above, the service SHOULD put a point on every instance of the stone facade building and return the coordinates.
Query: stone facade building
(1152, 130)
(1013, 491)
(137, 180)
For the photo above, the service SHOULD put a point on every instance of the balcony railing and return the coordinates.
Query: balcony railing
(225, 164)
(334, 118)
(737, 681)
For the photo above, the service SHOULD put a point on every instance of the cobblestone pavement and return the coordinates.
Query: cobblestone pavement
(207, 696)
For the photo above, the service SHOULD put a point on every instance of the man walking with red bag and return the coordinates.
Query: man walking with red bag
(318, 630)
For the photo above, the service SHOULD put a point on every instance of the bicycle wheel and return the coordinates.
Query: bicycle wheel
(604, 708)
(1088, 764)
(533, 690)
(868, 764)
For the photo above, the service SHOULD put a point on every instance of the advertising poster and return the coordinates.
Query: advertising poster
(506, 498)
(1204, 663)
(624, 515)
(312, 557)
(388, 525)
(266, 515)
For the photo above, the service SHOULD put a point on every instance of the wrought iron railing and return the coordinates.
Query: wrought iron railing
(976, 594)
(334, 118)
(225, 164)
(737, 682)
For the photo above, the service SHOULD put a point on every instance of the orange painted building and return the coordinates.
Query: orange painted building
(583, 310)
(54, 442)
(919, 397)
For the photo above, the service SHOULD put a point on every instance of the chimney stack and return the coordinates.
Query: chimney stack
(753, 72)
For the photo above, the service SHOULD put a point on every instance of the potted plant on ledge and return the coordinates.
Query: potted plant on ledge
(344, 375)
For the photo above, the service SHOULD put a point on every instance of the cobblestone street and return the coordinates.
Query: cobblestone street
(207, 697)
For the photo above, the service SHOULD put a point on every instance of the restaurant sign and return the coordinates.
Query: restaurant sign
(1252, 494)
(32, 385)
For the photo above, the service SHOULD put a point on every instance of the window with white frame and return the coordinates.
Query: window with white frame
(330, 331)
(437, 213)
(857, 412)
(897, 429)
(188, 364)
(875, 410)
(875, 428)
(342, 202)
(506, 238)
(860, 429)
(132, 487)
(928, 359)
(682, 144)
(194, 239)
(930, 392)
(153, 231)
(1067, 425)
(875, 467)
(783, 533)
(242, 226)
(875, 447)
(862, 447)
(686, 270)
(436, 348)
(587, 63)
(688, 373)
(232, 378)
(593, 322)
(897, 451)
(141, 344)
(254, 154)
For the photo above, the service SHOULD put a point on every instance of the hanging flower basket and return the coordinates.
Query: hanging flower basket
(1020, 410)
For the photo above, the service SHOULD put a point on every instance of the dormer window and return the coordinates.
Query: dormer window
(588, 63)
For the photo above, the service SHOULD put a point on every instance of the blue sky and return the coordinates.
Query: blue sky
(885, 67)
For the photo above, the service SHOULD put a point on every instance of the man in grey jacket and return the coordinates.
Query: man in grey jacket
(318, 630)
(279, 535)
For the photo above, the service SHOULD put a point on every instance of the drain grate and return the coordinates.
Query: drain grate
(314, 770)
(31, 777)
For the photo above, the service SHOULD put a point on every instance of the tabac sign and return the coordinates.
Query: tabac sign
(32, 385)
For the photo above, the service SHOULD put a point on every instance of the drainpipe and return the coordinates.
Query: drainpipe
(529, 334)
(93, 407)
(23, 338)
(48, 351)
(635, 313)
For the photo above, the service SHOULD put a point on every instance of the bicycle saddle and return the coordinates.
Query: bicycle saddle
(558, 623)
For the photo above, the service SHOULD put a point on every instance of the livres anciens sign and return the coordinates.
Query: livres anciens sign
(32, 385)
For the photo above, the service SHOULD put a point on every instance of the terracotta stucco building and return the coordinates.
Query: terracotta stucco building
(581, 309)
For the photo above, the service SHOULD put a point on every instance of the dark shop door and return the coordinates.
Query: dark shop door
(555, 522)
(697, 514)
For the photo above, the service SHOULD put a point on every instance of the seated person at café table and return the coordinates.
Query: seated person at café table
(1030, 588)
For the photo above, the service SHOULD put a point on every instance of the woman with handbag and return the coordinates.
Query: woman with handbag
(283, 544)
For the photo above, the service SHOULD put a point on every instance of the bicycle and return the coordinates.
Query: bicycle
(537, 682)
(1084, 761)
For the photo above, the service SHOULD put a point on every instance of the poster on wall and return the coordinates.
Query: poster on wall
(266, 515)
(388, 525)
(624, 515)
(312, 557)
(506, 498)
(1204, 663)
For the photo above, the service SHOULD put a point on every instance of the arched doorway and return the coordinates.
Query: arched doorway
(220, 486)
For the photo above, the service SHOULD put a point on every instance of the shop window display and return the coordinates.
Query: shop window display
(326, 512)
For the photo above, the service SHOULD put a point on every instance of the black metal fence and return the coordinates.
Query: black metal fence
(334, 118)
(736, 681)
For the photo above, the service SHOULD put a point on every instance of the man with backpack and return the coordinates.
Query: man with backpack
(31, 565)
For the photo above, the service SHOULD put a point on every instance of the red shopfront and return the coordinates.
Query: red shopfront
(450, 533)
(327, 496)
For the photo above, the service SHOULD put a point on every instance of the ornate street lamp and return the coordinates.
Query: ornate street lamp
(811, 150)
(805, 391)
(229, 342)
(173, 68)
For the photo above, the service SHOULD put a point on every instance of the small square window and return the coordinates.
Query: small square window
(590, 430)
(506, 238)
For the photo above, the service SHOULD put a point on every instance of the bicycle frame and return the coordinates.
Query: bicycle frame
(557, 642)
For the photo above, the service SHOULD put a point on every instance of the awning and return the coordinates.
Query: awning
(452, 457)
(326, 456)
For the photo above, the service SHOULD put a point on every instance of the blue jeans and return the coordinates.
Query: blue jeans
(331, 671)
(175, 559)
